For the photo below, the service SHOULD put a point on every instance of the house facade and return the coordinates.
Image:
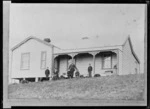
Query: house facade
(31, 57)
(108, 60)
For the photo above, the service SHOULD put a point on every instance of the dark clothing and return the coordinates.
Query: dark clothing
(69, 74)
(90, 71)
(90, 68)
(47, 72)
(72, 68)
(56, 76)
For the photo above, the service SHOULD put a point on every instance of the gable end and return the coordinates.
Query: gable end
(131, 46)
(29, 38)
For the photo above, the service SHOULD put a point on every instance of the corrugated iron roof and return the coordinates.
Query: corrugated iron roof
(96, 44)
(88, 42)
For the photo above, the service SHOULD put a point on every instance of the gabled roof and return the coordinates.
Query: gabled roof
(131, 46)
(98, 44)
(29, 38)
(91, 42)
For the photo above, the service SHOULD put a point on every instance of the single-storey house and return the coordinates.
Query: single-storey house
(32, 56)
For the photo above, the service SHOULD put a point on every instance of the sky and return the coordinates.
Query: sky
(67, 25)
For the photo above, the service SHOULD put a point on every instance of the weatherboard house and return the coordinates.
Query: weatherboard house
(32, 56)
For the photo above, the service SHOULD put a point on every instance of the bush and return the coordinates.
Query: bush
(81, 76)
(97, 75)
(86, 76)
(44, 79)
(30, 79)
(62, 77)
(24, 81)
(77, 74)
(55, 77)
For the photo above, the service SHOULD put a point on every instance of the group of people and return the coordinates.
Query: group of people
(72, 68)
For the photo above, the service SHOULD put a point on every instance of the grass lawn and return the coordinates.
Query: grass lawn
(126, 87)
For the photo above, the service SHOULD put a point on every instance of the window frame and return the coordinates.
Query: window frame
(21, 63)
(103, 56)
(43, 60)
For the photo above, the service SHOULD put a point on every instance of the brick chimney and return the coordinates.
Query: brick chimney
(47, 40)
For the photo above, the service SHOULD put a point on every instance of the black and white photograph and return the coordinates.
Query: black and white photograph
(75, 54)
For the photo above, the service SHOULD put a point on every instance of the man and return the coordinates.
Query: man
(90, 70)
(72, 68)
(56, 76)
(47, 73)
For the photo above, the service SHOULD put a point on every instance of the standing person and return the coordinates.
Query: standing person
(56, 74)
(90, 70)
(72, 68)
(47, 73)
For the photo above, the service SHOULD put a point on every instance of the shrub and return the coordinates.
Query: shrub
(24, 81)
(77, 74)
(81, 76)
(41, 79)
(86, 76)
(97, 75)
(62, 77)
(44, 79)
(55, 77)
(30, 79)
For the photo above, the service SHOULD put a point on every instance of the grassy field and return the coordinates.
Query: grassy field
(127, 87)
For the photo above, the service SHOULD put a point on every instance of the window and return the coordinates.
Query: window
(43, 60)
(107, 61)
(25, 61)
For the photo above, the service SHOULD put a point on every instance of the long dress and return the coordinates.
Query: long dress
(72, 68)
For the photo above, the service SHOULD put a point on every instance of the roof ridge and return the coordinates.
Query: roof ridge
(92, 47)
